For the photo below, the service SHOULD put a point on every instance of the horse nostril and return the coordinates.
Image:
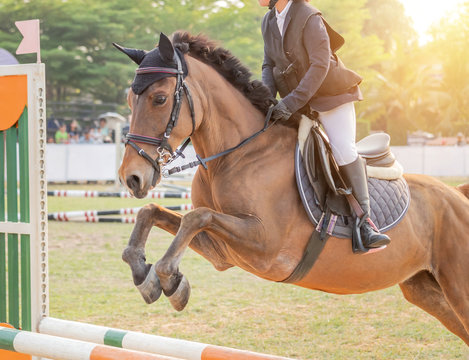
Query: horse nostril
(133, 182)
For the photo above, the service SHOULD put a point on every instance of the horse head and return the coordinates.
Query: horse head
(161, 115)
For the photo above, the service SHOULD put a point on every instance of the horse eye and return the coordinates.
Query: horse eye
(159, 100)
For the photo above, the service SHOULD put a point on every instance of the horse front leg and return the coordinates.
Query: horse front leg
(144, 275)
(243, 235)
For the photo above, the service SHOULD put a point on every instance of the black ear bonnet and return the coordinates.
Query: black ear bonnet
(162, 57)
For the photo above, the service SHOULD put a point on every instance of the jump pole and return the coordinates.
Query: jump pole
(70, 215)
(153, 344)
(121, 194)
(54, 347)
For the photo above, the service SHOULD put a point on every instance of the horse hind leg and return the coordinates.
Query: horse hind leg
(454, 282)
(424, 291)
(450, 258)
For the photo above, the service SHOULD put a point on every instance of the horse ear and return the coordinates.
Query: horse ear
(135, 54)
(166, 48)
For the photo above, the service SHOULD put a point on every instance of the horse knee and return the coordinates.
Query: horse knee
(148, 211)
(199, 218)
(165, 269)
(133, 255)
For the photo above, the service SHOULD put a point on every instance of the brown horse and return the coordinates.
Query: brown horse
(247, 209)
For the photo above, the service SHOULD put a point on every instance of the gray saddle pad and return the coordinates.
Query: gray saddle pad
(389, 201)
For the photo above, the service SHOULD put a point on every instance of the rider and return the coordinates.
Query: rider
(300, 63)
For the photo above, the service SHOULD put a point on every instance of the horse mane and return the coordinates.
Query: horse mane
(227, 65)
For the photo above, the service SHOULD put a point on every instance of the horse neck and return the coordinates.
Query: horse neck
(228, 117)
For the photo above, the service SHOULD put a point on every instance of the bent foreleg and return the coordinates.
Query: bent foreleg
(144, 277)
(244, 235)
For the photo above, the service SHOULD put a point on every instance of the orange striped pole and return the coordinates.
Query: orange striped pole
(181, 349)
(53, 347)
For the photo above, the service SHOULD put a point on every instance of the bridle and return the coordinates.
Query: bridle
(162, 144)
(163, 147)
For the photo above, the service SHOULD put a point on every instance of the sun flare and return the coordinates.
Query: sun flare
(425, 13)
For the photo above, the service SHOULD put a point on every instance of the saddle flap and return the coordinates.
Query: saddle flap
(389, 201)
(319, 163)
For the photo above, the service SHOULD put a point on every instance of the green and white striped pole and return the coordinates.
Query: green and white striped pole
(53, 347)
(153, 344)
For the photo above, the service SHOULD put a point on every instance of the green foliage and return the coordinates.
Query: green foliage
(417, 87)
(450, 52)
(76, 44)
(387, 20)
(77, 36)
(406, 86)
(406, 95)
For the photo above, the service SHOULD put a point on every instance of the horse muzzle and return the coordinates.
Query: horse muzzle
(139, 176)
(138, 187)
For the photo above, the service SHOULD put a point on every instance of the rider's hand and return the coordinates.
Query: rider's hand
(281, 112)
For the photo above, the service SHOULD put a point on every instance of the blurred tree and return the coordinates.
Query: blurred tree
(387, 20)
(76, 44)
(237, 26)
(81, 62)
(449, 46)
(362, 52)
(406, 99)
(77, 36)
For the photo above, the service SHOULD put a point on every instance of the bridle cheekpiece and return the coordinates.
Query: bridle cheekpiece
(163, 147)
(164, 150)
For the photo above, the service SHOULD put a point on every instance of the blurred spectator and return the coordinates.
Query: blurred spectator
(74, 128)
(461, 139)
(106, 136)
(74, 138)
(50, 140)
(52, 126)
(87, 137)
(96, 135)
(61, 135)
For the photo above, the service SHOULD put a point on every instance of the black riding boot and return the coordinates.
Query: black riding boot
(355, 175)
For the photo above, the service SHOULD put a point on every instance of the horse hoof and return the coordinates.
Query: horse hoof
(150, 288)
(180, 298)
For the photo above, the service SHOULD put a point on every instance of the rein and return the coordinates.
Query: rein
(162, 143)
(203, 162)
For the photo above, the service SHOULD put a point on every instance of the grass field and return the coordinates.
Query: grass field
(89, 282)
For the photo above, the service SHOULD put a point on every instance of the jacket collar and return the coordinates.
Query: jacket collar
(273, 24)
(291, 13)
(287, 20)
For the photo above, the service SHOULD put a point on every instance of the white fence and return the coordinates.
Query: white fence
(81, 162)
(91, 162)
(434, 160)
(98, 162)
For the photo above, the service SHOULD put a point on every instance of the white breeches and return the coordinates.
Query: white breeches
(340, 126)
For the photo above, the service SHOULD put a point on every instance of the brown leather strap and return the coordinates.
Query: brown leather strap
(357, 209)
(310, 255)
